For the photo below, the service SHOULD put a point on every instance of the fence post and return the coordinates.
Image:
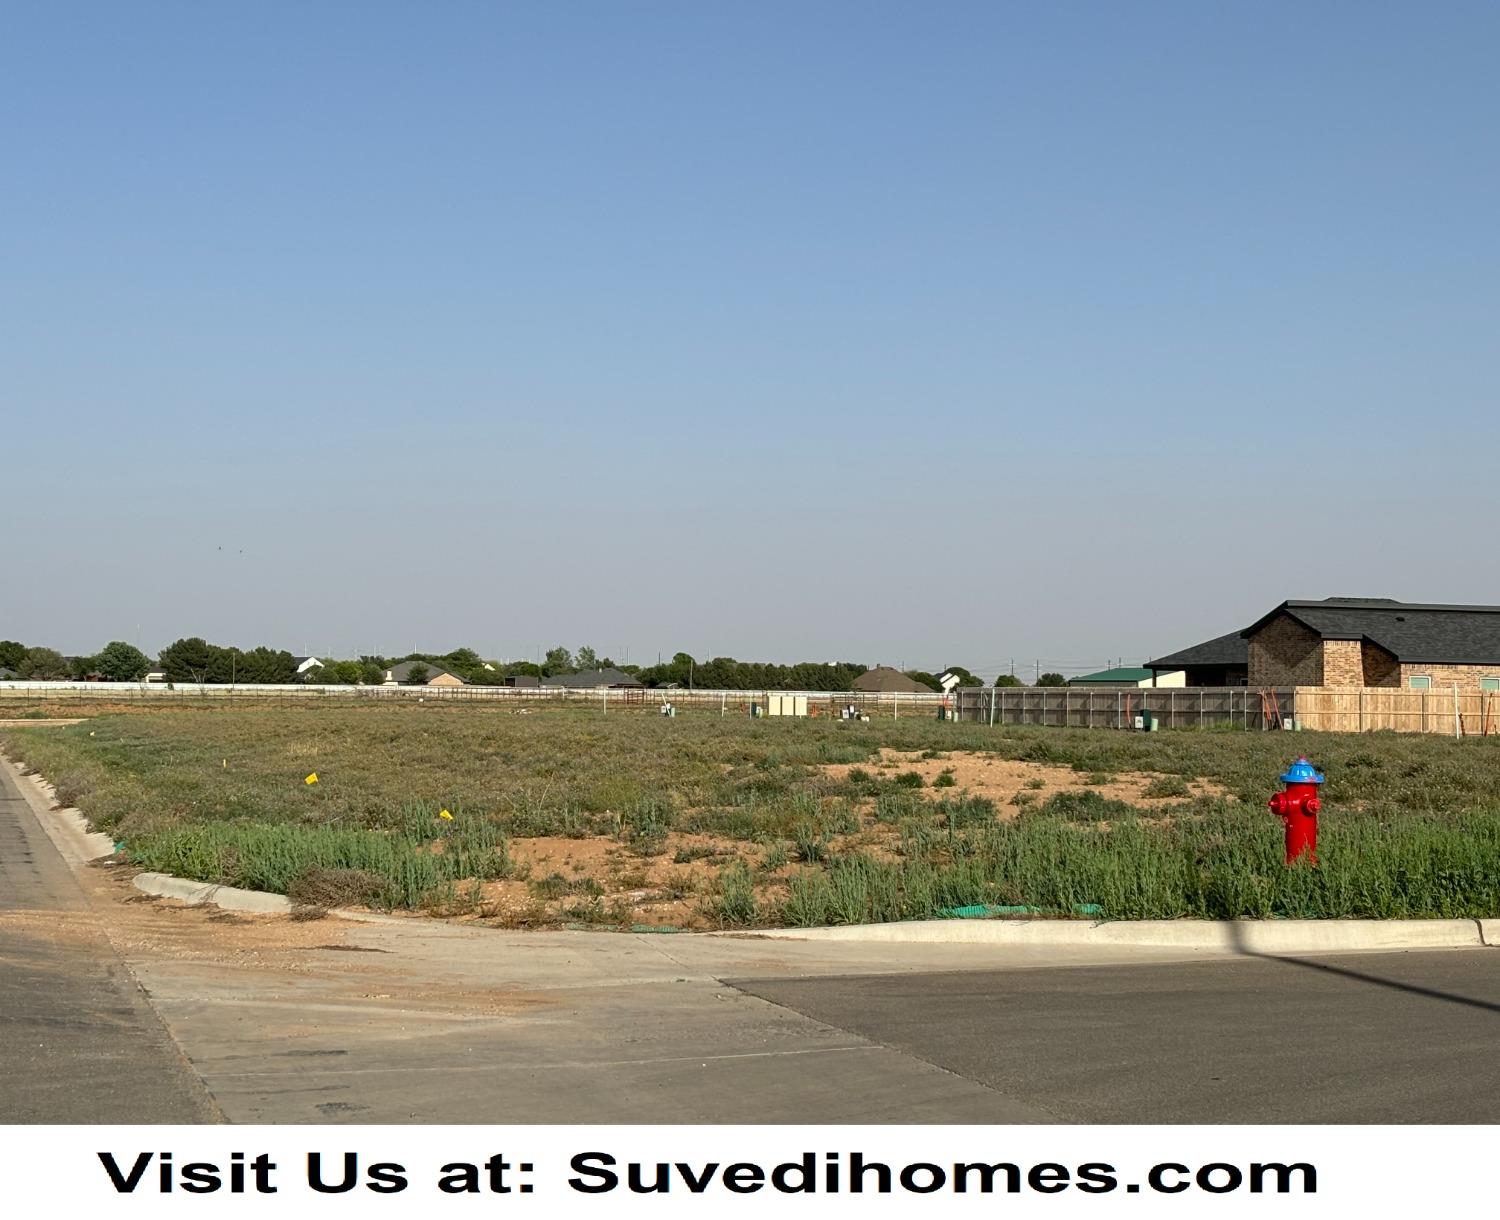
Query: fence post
(1458, 723)
(992, 707)
(605, 693)
(1119, 709)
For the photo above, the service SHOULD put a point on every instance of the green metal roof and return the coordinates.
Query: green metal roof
(1124, 675)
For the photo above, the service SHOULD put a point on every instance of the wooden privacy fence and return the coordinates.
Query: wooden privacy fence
(1363, 709)
(1118, 707)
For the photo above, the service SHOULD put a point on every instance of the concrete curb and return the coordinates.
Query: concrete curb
(1245, 935)
(225, 897)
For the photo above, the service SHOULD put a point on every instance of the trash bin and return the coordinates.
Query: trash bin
(1149, 721)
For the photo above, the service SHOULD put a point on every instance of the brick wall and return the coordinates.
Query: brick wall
(1285, 653)
(1444, 677)
(1343, 663)
(1381, 668)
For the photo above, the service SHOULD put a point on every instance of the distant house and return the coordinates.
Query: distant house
(307, 668)
(1129, 677)
(1221, 661)
(523, 680)
(400, 675)
(885, 680)
(155, 672)
(9, 675)
(1374, 641)
(594, 679)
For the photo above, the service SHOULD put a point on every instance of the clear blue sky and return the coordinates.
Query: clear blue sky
(923, 333)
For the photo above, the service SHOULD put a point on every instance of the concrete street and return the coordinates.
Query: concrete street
(78, 1040)
(267, 1019)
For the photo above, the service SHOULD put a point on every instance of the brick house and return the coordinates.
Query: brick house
(1374, 641)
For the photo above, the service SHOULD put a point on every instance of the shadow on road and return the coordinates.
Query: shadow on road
(1359, 976)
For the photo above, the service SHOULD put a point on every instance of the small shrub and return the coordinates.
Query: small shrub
(558, 886)
(70, 788)
(1036, 784)
(734, 904)
(945, 779)
(326, 888)
(1085, 806)
(1167, 786)
(809, 842)
(909, 779)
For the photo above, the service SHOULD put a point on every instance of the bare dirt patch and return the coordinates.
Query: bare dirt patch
(602, 880)
(1000, 779)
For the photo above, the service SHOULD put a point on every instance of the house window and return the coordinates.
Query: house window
(1489, 683)
(1422, 683)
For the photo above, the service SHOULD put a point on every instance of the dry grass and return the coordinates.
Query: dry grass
(698, 820)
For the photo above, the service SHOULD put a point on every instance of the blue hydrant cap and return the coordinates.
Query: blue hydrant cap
(1302, 772)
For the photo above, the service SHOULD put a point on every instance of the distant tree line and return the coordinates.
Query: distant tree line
(116, 661)
(195, 660)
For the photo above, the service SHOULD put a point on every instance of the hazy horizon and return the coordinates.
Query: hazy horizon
(916, 335)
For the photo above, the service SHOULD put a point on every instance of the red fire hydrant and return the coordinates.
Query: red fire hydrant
(1298, 807)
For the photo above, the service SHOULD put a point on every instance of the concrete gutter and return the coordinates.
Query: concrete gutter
(230, 898)
(1240, 935)
(225, 897)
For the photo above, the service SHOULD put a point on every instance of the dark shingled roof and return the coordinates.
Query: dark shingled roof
(1231, 649)
(1415, 633)
(591, 679)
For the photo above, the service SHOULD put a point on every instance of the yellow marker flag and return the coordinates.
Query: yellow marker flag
(311, 779)
(445, 815)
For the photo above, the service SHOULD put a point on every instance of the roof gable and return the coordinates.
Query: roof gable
(400, 673)
(1412, 632)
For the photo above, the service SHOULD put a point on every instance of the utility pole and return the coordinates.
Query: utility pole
(1038, 681)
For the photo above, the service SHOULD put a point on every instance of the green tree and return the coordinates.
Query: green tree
(122, 662)
(44, 665)
(1052, 679)
(264, 666)
(372, 670)
(79, 668)
(516, 668)
(464, 662)
(925, 678)
(341, 673)
(1008, 680)
(586, 658)
(188, 660)
(418, 674)
(11, 655)
(558, 661)
(965, 678)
